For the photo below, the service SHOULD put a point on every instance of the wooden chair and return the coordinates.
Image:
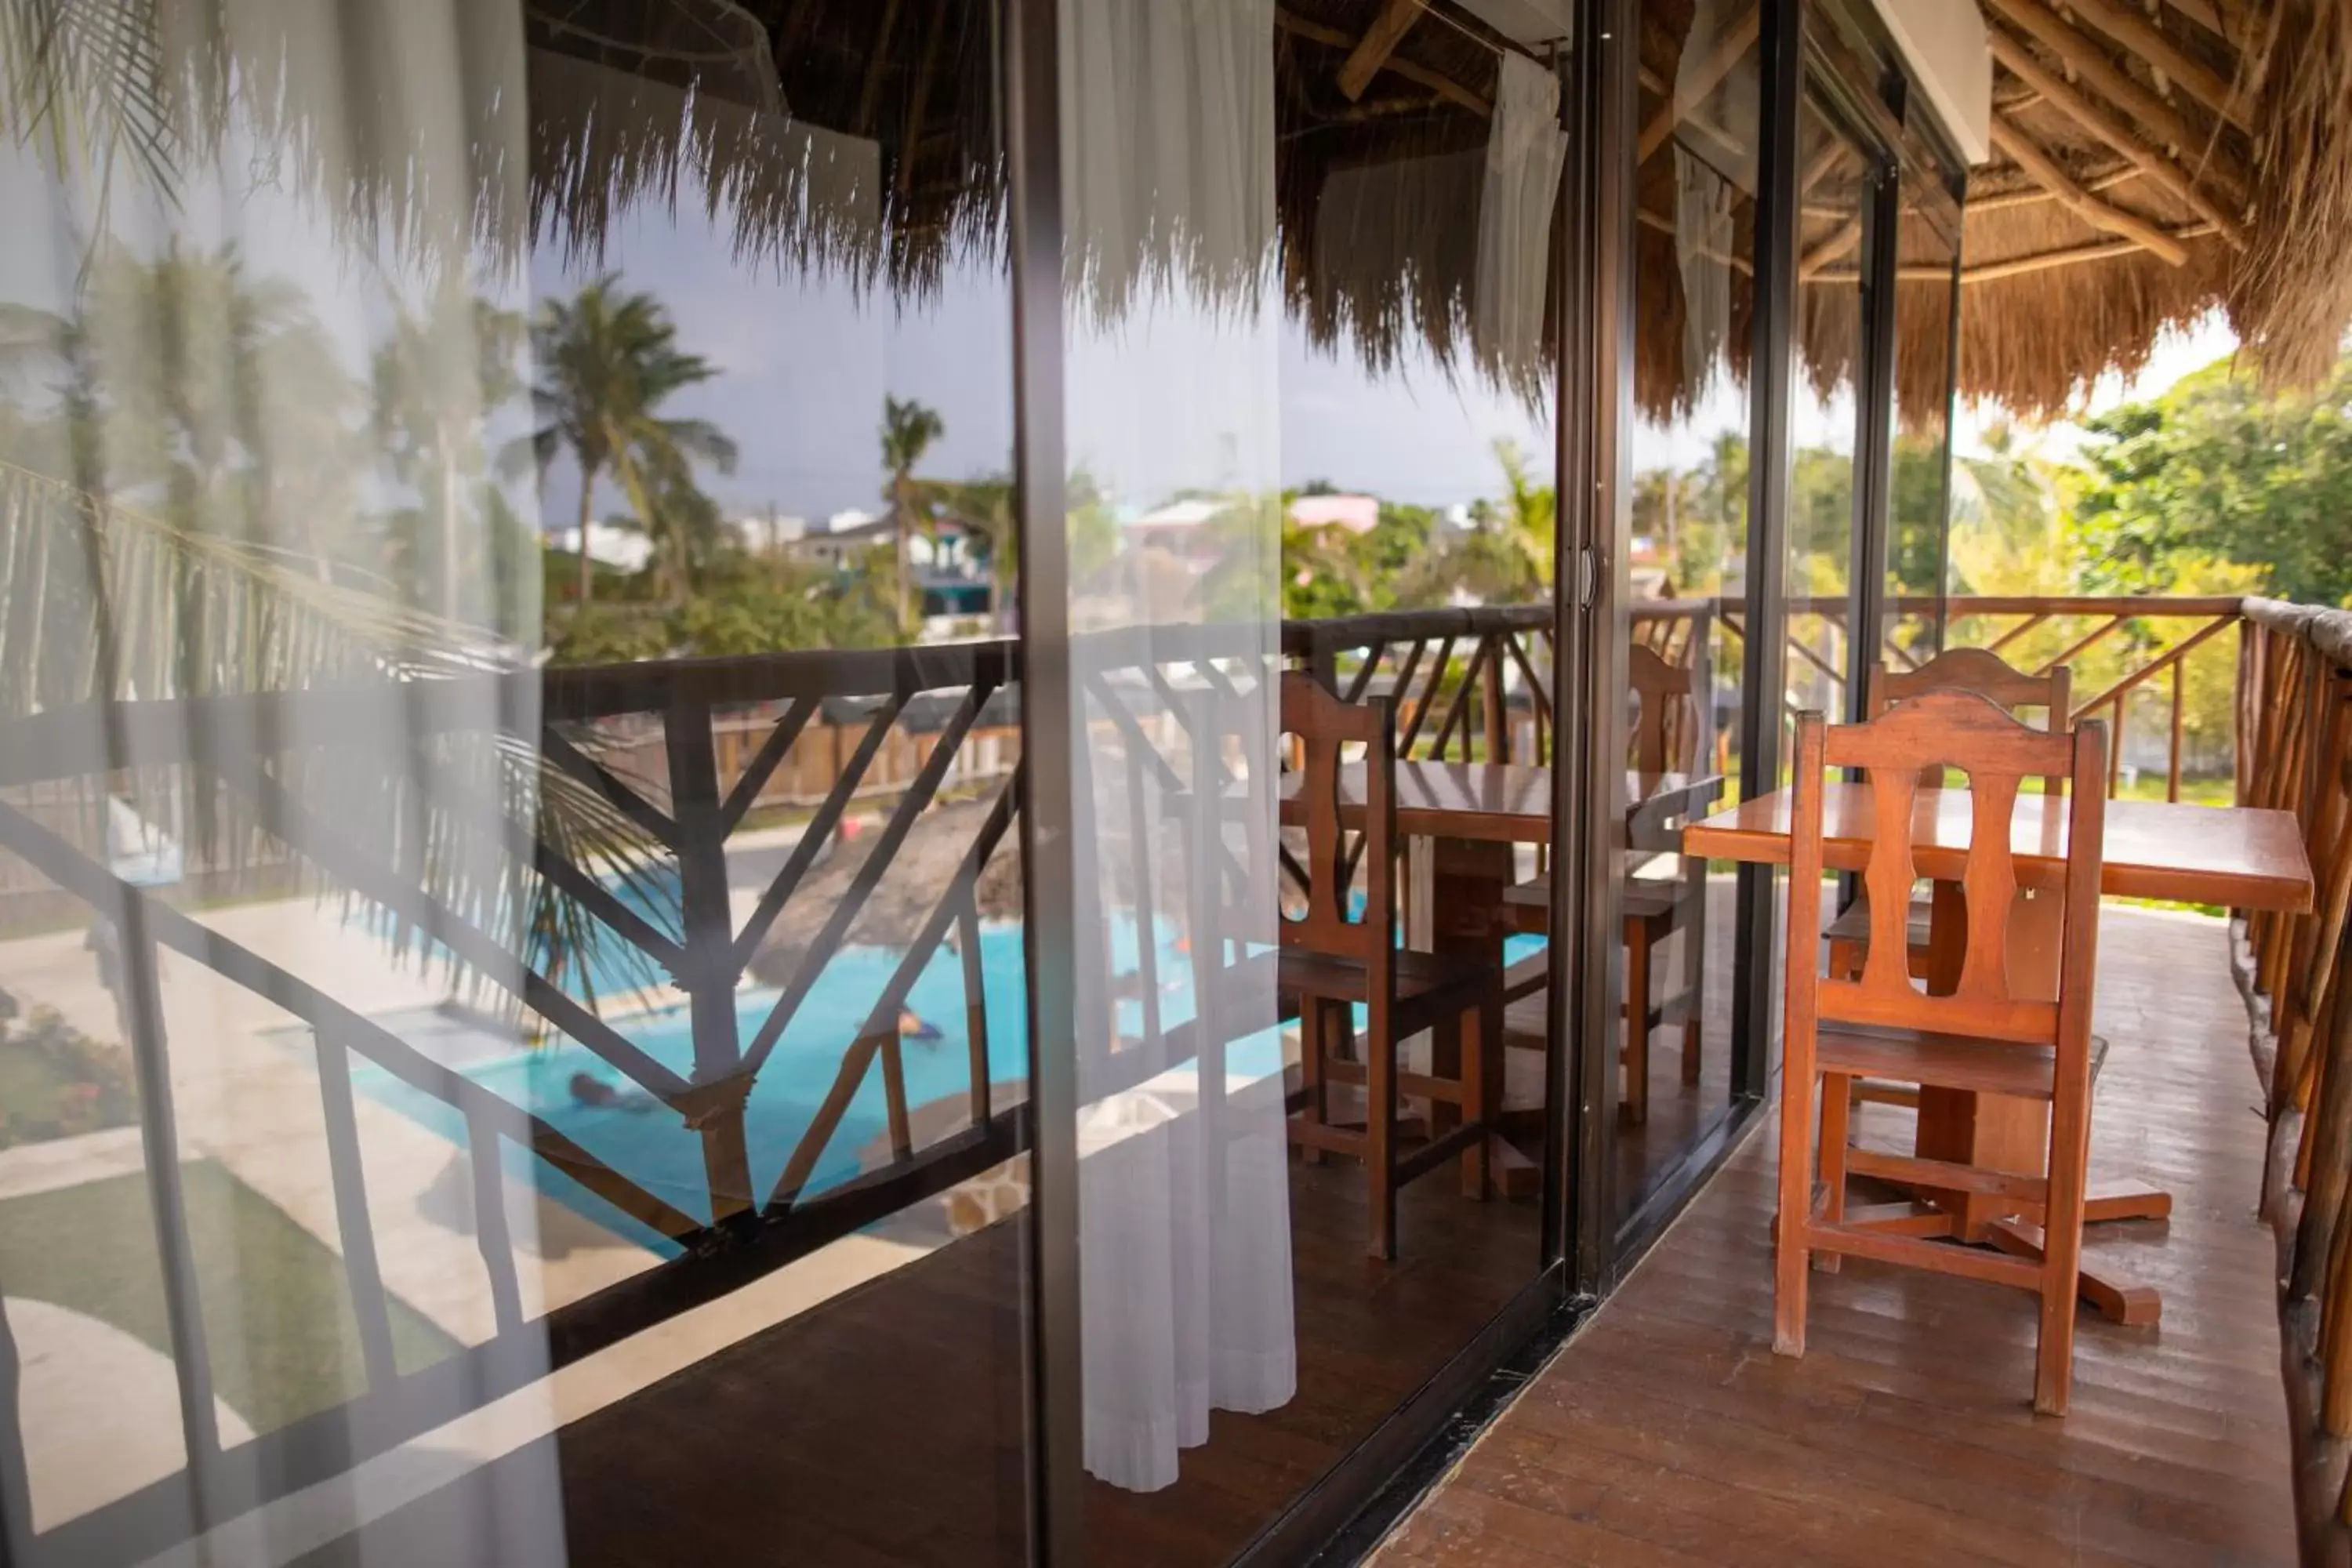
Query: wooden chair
(1653, 909)
(1332, 961)
(1982, 1038)
(1954, 669)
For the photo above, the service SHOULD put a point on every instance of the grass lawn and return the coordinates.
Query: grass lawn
(276, 1308)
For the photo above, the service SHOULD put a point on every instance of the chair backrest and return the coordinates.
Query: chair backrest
(1987, 675)
(1324, 726)
(1666, 730)
(1969, 731)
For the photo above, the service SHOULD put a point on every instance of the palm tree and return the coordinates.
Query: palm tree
(1508, 555)
(985, 508)
(908, 428)
(432, 383)
(607, 361)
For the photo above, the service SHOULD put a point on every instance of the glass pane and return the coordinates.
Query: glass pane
(514, 1038)
(1694, 300)
(1308, 377)
(1833, 241)
(1918, 500)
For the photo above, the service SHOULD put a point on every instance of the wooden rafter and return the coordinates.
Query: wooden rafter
(2045, 172)
(1437, 82)
(2102, 122)
(2138, 33)
(1717, 63)
(1840, 240)
(2095, 71)
(2034, 196)
(1379, 42)
(871, 94)
(2020, 266)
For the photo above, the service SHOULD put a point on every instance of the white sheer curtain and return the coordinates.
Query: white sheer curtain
(1168, 161)
(1525, 149)
(261, 333)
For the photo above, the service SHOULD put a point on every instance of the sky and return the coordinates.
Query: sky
(1178, 397)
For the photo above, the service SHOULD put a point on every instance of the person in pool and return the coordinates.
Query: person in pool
(594, 1093)
(913, 1026)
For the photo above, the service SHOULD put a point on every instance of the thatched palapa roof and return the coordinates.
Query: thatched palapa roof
(2152, 163)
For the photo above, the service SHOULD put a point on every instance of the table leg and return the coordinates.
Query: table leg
(2005, 1134)
(1466, 879)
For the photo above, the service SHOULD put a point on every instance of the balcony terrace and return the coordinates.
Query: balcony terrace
(645, 1327)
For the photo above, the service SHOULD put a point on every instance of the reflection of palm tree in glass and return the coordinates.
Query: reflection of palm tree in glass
(607, 360)
(908, 428)
(433, 383)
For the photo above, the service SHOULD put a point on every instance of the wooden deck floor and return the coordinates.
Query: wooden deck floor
(1668, 1431)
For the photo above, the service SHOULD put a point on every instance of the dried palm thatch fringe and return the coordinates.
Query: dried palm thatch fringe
(2292, 297)
(861, 140)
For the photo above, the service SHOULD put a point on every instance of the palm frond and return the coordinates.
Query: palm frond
(173, 612)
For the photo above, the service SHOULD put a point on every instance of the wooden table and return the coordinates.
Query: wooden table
(1475, 815)
(2240, 858)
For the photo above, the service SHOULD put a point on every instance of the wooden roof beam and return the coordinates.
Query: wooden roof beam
(2044, 171)
(1437, 82)
(2102, 123)
(1844, 237)
(1379, 42)
(2138, 34)
(2042, 261)
(2034, 196)
(1717, 63)
(2091, 68)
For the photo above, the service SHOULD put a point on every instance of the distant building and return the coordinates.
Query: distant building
(1357, 514)
(767, 533)
(1177, 528)
(622, 549)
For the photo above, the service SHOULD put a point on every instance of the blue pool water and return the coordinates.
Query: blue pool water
(651, 1147)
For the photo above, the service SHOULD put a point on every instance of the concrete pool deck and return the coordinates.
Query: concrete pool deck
(246, 1094)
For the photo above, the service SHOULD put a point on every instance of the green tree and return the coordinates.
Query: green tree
(2216, 470)
(432, 383)
(908, 428)
(607, 361)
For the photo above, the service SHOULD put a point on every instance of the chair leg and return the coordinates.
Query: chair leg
(1846, 959)
(1380, 1137)
(1318, 1110)
(1477, 1090)
(2062, 1247)
(1791, 1261)
(1837, 1110)
(1637, 1024)
(1694, 969)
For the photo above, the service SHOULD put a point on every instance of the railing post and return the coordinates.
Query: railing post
(1490, 697)
(710, 969)
(2173, 766)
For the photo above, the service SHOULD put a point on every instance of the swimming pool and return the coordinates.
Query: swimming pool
(651, 1146)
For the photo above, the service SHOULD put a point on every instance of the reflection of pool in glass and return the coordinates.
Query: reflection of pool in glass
(651, 1147)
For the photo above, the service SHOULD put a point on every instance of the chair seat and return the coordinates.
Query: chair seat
(1855, 924)
(1426, 982)
(1942, 1061)
(1526, 906)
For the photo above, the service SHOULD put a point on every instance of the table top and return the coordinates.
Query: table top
(1507, 803)
(2238, 857)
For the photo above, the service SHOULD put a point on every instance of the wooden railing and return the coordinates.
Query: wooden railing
(254, 749)
(2134, 659)
(683, 751)
(2294, 710)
